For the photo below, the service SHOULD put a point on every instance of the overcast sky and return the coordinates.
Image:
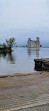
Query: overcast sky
(28, 15)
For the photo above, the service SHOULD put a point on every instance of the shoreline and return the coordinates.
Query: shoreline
(19, 74)
(22, 74)
(24, 90)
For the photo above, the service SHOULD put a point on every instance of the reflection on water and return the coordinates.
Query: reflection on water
(8, 56)
(33, 51)
(21, 60)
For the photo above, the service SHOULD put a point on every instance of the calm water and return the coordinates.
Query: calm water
(21, 60)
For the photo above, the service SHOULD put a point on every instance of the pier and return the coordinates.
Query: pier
(42, 64)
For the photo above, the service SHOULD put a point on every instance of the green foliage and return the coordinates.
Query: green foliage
(10, 42)
(3, 45)
(0, 45)
(7, 47)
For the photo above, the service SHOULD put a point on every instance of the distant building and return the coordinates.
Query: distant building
(33, 44)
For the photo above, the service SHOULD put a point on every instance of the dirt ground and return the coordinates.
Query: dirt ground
(22, 91)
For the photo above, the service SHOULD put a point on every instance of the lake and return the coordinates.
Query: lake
(21, 60)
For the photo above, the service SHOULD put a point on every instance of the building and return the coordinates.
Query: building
(33, 44)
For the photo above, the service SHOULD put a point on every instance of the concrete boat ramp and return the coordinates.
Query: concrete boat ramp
(42, 64)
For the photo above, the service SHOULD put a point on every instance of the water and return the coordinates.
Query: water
(21, 60)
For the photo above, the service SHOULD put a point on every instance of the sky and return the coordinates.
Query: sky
(23, 19)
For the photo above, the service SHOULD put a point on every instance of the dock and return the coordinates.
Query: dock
(42, 64)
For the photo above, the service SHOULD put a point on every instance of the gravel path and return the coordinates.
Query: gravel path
(24, 91)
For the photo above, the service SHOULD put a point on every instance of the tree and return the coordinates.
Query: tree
(10, 42)
(4, 45)
(0, 45)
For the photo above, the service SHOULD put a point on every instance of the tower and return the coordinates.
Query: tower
(37, 39)
(29, 43)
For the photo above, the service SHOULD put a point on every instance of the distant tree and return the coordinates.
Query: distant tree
(4, 45)
(0, 45)
(10, 42)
